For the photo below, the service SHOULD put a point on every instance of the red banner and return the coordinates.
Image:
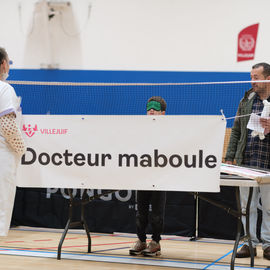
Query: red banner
(247, 43)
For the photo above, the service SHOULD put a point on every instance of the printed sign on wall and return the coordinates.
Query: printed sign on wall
(247, 39)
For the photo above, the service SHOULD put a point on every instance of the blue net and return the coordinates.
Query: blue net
(130, 98)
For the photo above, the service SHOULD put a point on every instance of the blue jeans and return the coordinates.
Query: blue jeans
(263, 192)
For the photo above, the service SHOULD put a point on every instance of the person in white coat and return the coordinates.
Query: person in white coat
(12, 145)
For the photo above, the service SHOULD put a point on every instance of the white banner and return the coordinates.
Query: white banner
(178, 153)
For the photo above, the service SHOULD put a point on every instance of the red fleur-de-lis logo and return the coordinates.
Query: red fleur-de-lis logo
(29, 131)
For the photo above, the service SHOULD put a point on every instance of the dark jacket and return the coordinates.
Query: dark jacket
(238, 139)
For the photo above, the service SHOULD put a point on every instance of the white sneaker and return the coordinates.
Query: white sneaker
(137, 248)
(153, 249)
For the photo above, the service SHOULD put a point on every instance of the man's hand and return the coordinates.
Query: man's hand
(229, 162)
(265, 122)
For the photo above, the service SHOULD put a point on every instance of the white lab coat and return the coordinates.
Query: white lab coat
(9, 102)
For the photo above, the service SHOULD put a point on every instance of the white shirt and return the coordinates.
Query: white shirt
(9, 102)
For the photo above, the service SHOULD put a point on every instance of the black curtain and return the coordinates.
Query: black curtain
(116, 212)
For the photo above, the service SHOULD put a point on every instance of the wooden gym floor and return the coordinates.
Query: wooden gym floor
(36, 248)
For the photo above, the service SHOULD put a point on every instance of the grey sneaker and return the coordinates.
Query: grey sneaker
(153, 249)
(137, 248)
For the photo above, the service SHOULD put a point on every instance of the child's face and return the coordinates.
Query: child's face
(154, 112)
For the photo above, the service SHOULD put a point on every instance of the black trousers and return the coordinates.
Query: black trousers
(157, 199)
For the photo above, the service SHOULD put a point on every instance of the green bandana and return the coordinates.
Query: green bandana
(153, 105)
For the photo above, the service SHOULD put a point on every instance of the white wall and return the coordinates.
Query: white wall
(175, 35)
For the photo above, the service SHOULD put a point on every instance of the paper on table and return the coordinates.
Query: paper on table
(261, 176)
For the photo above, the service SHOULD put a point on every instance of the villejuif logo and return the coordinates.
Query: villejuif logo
(29, 130)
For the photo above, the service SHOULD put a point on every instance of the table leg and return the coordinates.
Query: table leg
(84, 221)
(71, 224)
(239, 227)
(247, 227)
(196, 230)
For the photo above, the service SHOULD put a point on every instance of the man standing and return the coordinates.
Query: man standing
(157, 199)
(11, 144)
(253, 152)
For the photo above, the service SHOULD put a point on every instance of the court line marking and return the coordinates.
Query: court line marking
(117, 234)
(207, 266)
(109, 249)
(42, 240)
(124, 260)
(222, 257)
(65, 247)
(167, 237)
(127, 235)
